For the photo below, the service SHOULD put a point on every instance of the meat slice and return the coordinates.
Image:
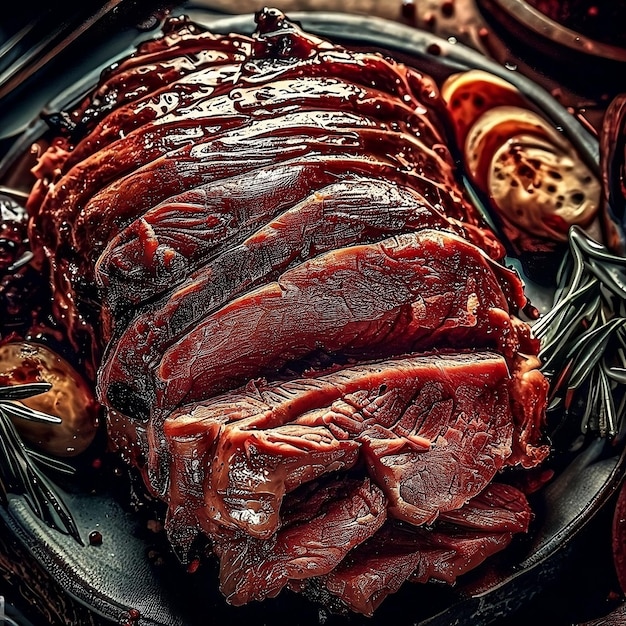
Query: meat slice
(167, 243)
(397, 552)
(233, 154)
(448, 417)
(318, 531)
(353, 211)
(422, 289)
(463, 418)
(183, 50)
(108, 212)
(203, 95)
(468, 420)
(265, 464)
(190, 57)
(175, 150)
(149, 99)
(157, 122)
(417, 291)
(498, 508)
(243, 115)
(461, 426)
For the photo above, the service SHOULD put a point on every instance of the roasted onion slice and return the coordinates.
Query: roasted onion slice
(70, 398)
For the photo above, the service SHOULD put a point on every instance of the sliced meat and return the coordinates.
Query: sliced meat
(231, 114)
(157, 63)
(214, 73)
(383, 565)
(498, 508)
(234, 154)
(315, 538)
(177, 147)
(446, 417)
(349, 212)
(465, 455)
(162, 248)
(266, 464)
(312, 351)
(422, 290)
(465, 407)
(185, 53)
(100, 222)
(396, 553)
(159, 122)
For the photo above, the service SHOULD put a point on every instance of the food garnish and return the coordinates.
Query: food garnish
(69, 398)
(531, 174)
(21, 467)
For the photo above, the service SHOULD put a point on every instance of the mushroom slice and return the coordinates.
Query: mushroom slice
(497, 126)
(69, 398)
(542, 188)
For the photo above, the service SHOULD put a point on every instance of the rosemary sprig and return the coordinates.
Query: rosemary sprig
(583, 337)
(19, 465)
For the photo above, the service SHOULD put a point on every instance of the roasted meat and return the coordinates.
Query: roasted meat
(304, 335)
(379, 566)
(431, 430)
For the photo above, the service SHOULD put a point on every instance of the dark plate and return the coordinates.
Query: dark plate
(522, 17)
(121, 574)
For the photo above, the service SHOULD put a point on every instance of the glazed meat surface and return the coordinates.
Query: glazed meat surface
(418, 423)
(301, 329)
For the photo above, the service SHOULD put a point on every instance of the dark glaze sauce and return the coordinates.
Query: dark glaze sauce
(24, 289)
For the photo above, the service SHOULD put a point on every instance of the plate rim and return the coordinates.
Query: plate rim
(543, 26)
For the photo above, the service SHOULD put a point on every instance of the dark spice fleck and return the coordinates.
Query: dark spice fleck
(447, 8)
(408, 10)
